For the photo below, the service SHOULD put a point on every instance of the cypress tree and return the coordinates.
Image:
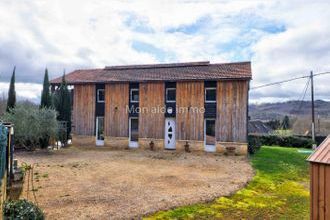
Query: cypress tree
(46, 98)
(63, 104)
(11, 93)
(286, 123)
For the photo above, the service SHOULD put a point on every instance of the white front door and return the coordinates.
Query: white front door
(170, 133)
(99, 131)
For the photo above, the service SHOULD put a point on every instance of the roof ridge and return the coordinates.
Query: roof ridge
(158, 65)
(88, 69)
(230, 63)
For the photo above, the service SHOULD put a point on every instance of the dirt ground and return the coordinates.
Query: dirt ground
(97, 183)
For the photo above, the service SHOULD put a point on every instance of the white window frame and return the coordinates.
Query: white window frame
(208, 147)
(166, 92)
(98, 92)
(211, 101)
(133, 101)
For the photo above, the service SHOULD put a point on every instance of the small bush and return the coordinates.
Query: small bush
(254, 144)
(22, 209)
(284, 141)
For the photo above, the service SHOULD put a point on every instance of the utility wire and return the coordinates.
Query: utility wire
(303, 97)
(288, 80)
(324, 73)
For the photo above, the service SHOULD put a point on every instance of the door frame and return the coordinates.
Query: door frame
(97, 141)
(132, 144)
(208, 147)
(174, 134)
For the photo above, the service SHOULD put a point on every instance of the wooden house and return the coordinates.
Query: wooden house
(169, 106)
(320, 181)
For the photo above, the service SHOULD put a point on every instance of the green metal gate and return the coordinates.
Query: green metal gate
(3, 151)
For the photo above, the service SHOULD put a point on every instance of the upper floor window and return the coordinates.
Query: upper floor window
(134, 96)
(100, 95)
(170, 94)
(210, 95)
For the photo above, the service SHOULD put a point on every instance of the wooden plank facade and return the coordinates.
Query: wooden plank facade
(320, 191)
(189, 117)
(84, 109)
(116, 117)
(320, 182)
(151, 118)
(232, 104)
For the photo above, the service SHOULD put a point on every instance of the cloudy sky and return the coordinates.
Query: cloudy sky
(283, 39)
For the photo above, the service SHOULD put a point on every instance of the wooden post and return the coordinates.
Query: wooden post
(313, 113)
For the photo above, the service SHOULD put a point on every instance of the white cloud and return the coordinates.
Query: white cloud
(303, 47)
(24, 91)
(74, 34)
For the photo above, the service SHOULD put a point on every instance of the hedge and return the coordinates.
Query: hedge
(256, 141)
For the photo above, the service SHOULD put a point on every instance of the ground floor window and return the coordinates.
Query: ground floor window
(100, 128)
(210, 131)
(134, 129)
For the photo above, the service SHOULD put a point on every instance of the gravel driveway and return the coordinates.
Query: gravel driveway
(97, 183)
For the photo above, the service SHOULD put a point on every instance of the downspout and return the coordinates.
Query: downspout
(247, 112)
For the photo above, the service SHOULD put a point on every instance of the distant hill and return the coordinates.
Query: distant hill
(278, 110)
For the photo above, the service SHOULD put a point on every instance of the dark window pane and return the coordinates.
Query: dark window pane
(170, 95)
(135, 95)
(210, 132)
(134, 129)
(100, 95)
(210, 95)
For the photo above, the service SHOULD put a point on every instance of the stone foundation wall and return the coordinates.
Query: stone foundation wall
(193, 145)
(116, 142)
(83, 140)
(241, 148)
(144, 143)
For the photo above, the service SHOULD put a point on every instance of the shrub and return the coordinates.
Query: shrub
(318, 139)
(284, 141)
(254, 144)
(33, 126)
(22, 209)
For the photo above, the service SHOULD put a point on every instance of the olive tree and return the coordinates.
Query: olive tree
(33, 125)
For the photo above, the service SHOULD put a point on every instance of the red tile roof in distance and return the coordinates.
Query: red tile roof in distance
(322, 153)
(160, 72)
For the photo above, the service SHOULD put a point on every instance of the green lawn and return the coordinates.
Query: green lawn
(280, 190)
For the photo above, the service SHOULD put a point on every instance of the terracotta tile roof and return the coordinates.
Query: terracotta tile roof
(160, 72)
(322, 153)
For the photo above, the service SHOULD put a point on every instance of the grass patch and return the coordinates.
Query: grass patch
(278, 191)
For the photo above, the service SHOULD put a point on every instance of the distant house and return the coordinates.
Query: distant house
(259, 127)
(166, 105)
